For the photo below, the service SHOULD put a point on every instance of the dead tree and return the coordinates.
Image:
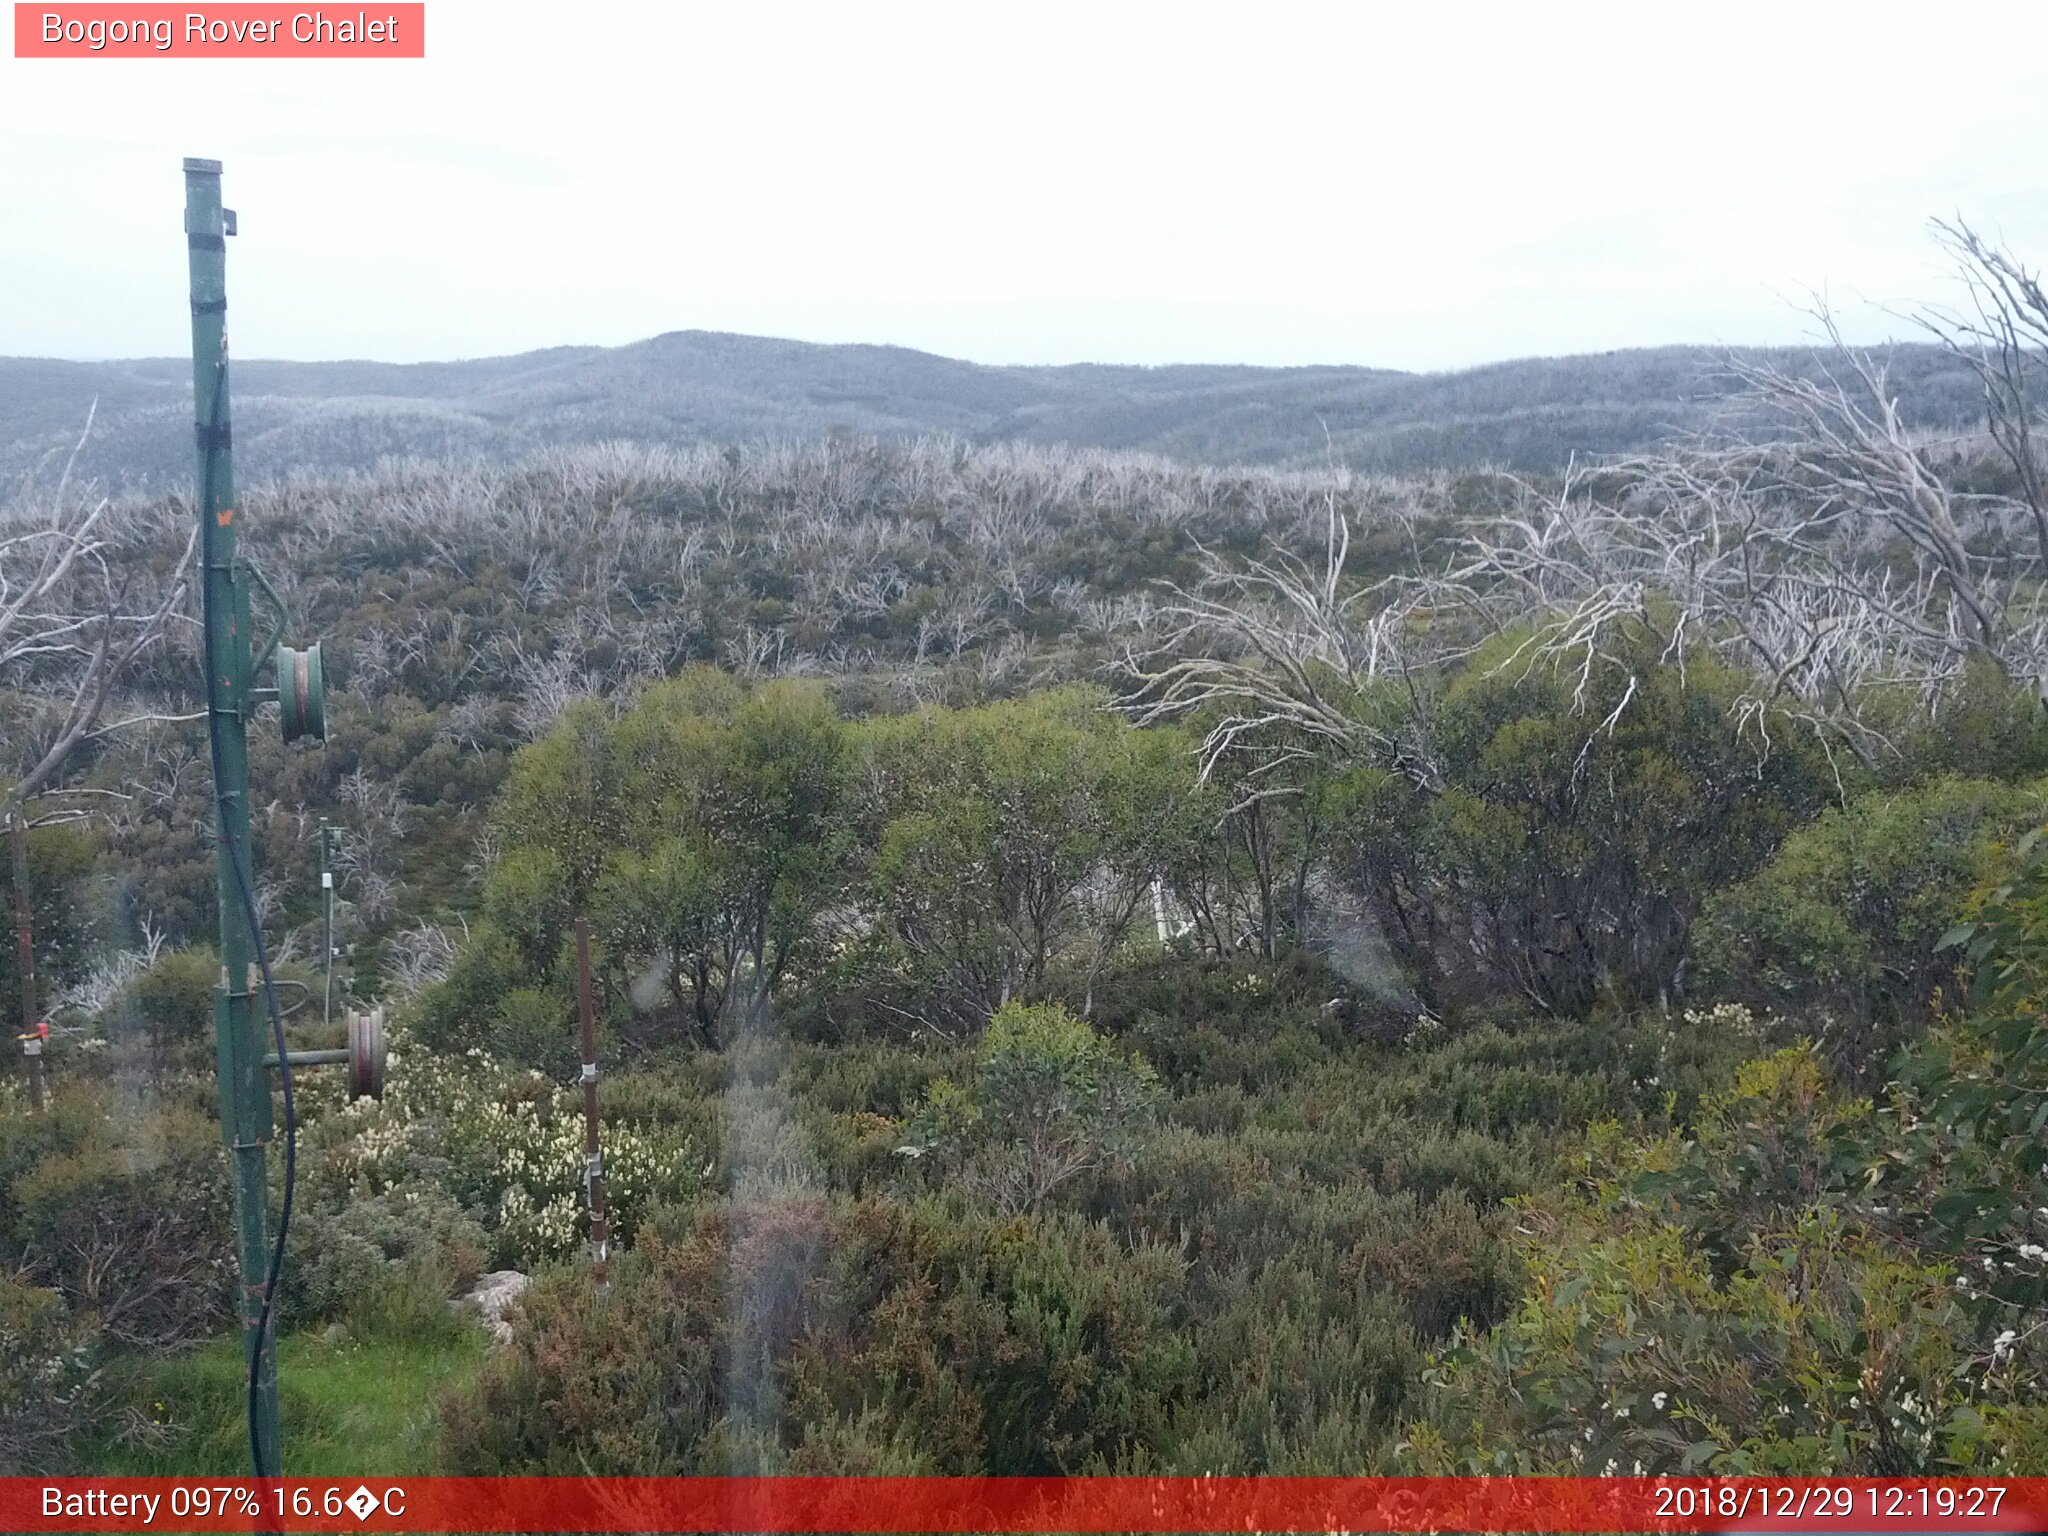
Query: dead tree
(1279, 653)
(1817, 543)
(77, 608)
(2003, 336)
(1820, 549)
(75, 612)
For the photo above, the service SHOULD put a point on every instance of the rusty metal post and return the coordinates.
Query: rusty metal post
(32, 1032)
(326, 926)
(593, 1156)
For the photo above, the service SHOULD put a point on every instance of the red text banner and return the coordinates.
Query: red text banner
(1024, 1504)
(224, 31)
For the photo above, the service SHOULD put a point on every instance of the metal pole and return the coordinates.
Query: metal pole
(24, 935)
(337, 1057)
(326, 926)
(245, 1109)
(593, 1157)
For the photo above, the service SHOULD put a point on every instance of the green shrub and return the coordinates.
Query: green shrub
(1203, 1021)
(1719, 1303)
(1050, 1098)
(60, 865)
(1842, 925)
(52, 1389)
(703, 831)
(1992, 727)
(536, 1028)
(122, 1209)
(751, 1338)
(986, 830)
(1959, 1157)
(165, 1014)
(411, 1304)
(1584, 820)
(1808, 1283)
(360, 1256)
(461, 1011)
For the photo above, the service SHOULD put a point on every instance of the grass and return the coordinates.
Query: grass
(350, 1408)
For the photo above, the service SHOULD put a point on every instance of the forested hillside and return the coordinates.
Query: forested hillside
(694, 387)
(1103, 964)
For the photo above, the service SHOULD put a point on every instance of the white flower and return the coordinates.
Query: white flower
(1659, 1399)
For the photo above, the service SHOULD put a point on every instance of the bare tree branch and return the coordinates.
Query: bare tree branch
(78, 606)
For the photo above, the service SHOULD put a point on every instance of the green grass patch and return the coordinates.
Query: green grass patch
(350, 1408)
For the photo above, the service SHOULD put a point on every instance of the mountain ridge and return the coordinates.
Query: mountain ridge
(685, 386)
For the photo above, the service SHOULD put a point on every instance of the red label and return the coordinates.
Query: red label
(886, 1506)
(230, 31)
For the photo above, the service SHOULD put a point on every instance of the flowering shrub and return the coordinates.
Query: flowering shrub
(1962, 1157)
(506, 1144)
(51, 1385)
(1724, 1303)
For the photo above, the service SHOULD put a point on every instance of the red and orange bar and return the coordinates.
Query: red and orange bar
(1024, 1504)
(365, 29)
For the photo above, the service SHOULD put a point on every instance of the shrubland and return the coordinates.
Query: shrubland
(1802, 1282)
(1102, 965)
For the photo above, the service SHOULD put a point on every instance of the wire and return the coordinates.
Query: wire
(236, 852)
(291, 1145)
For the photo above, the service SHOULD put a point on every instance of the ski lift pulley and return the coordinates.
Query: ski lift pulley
(363, 1055)
(366, 1054)
(302, 692)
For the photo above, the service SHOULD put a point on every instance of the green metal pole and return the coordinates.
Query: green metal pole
(245, 1111)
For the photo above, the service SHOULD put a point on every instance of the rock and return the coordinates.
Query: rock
(492, 1295)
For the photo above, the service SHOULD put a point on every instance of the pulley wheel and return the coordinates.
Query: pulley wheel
(366, 1054)
(302, 692)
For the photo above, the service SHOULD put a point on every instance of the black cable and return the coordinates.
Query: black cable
(236, 852)
(291, 1146)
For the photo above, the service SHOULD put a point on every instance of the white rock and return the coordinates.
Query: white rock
(492, 1295)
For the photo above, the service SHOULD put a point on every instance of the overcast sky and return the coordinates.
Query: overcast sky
(1414, 186)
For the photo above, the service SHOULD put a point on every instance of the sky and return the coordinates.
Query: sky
(1422, 186)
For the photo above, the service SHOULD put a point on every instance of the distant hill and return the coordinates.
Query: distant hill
(695, 386)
